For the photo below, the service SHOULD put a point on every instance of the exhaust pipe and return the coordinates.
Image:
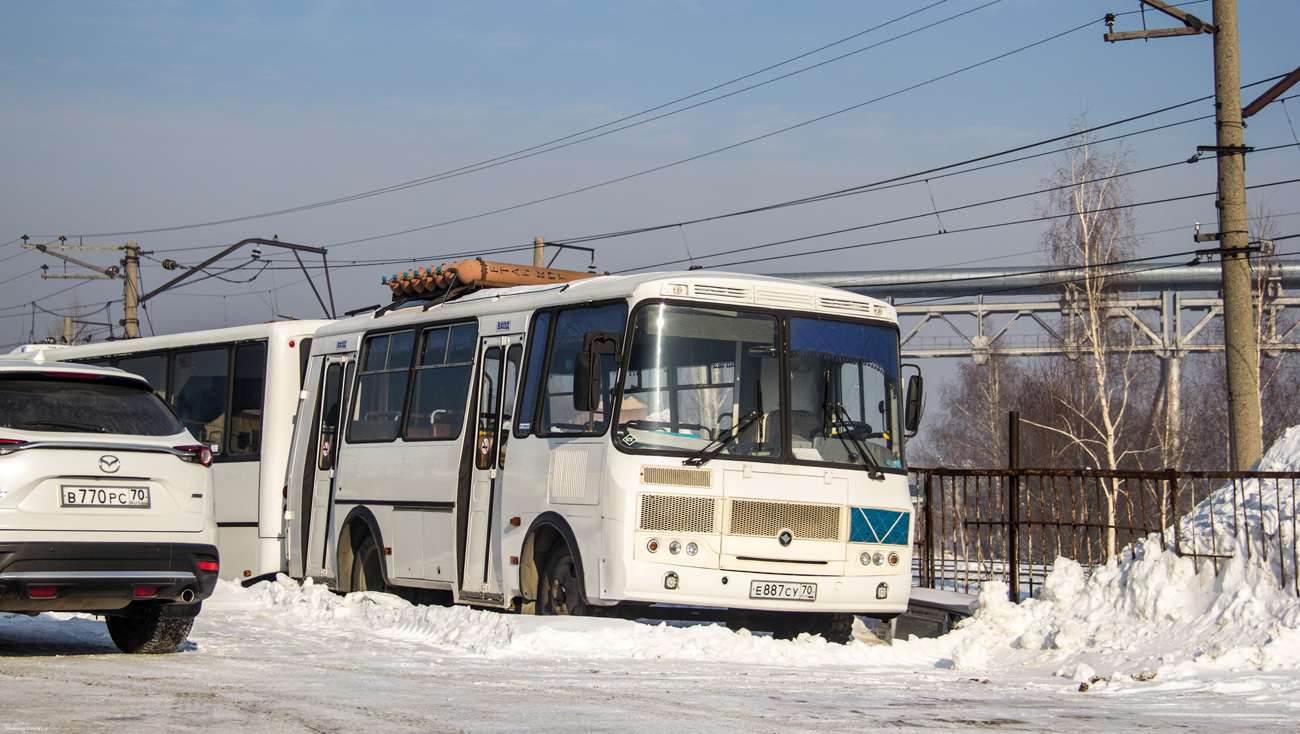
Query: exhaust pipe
(186, 596)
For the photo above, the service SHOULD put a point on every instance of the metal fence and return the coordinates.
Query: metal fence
(1012, 524)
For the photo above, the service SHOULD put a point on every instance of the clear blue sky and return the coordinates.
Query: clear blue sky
(137, 115)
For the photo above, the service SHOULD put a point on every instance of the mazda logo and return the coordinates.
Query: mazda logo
(785, 538)
(109, 464)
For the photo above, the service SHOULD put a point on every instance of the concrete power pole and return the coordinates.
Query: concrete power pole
(1241, 339)
(129, 273)
(539, 244)
(131, 291)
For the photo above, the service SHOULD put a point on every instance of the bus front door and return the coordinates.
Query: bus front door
(499, 361)
(335, 379)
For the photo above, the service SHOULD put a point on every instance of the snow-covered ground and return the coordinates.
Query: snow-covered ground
(1177, 650)
(1151, 641)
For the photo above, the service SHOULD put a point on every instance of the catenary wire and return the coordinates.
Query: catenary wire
(559, 143)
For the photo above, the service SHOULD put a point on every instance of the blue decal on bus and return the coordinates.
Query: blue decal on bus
(871, 525)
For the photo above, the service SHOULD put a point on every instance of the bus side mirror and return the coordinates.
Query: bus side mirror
(912, 403)
(586, 382)
(587, 367)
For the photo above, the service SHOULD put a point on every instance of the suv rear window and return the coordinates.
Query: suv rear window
(83, 406)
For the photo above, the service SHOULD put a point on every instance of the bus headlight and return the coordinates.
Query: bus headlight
(865, 558)
(674, 547)
(692, 549)
(879, 559)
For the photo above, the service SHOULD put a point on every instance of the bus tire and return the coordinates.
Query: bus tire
(559, 585)
(837, 628)
(151, 634)
(368, 567)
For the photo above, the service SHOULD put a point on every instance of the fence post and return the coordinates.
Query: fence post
(1013, 504)
(927, 551)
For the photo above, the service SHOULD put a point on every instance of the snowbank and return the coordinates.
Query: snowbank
(1252, 517)
(1148, 618)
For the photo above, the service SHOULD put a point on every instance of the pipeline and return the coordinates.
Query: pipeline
(475, 274)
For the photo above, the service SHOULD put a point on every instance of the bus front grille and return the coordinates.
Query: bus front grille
(675, 513)
(767, 519)
(677, 476)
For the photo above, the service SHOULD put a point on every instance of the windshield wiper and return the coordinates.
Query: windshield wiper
(718, 444)
(57, 426)
(837, 416)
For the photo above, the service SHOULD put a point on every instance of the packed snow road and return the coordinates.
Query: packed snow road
(283, 657)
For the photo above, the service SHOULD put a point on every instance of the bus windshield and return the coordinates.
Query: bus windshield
(694, 375)
(708, 382)
(844, 393)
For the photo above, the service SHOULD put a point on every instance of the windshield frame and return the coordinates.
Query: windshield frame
(784, 454)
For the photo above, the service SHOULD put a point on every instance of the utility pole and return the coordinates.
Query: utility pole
(131, 294)
(131, 278)
(1240, 337)
(539, 244)
(1241, 341)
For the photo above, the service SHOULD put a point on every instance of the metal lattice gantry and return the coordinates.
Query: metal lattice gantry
(970, 312)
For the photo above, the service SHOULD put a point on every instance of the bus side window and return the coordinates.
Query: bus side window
(198, 392)
(246, 400)
(571, 327)
(533, 373)
(442, 377)
(381, 389)
(152, 367)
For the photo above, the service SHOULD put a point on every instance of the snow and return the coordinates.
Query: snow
(1151, 639)
(1254, 517)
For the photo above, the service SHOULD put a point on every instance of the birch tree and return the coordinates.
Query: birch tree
(1091, 228)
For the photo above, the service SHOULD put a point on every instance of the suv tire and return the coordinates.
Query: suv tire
(152, 634)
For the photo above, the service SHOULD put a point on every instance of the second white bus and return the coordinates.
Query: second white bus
(236, 390)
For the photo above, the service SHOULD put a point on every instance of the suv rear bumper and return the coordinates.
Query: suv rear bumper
(103, 577)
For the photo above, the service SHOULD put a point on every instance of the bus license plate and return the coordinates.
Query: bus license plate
(788, 590)
(103, 496)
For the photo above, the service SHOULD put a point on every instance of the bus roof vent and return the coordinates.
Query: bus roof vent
(723, 293)
(854, 307)
(454, 279)
(784, 298)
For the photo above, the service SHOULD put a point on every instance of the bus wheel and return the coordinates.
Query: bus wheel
(367, 567)
(559, 585)
(837, 628)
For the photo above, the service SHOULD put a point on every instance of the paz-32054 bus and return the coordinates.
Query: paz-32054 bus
(609, 443)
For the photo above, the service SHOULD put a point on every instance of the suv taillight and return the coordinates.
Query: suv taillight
(196, 454)
(10, 445)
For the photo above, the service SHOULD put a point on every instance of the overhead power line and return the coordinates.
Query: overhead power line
(928, 214)
(976, 228)
(589, 133)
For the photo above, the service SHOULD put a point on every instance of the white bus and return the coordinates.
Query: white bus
(725, 443)
(236, 390)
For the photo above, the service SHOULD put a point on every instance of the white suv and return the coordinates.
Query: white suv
(106, 503)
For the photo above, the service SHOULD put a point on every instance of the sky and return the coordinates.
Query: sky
(148, 120)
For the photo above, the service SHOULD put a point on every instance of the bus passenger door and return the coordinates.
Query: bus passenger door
(499, 362)
(335, 379)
